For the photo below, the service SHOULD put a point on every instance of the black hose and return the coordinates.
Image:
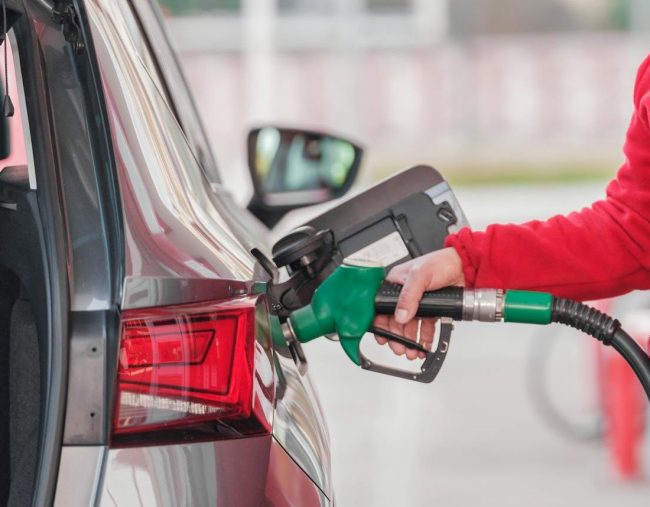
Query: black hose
(635, 357)
(607, 330)
(585, 318)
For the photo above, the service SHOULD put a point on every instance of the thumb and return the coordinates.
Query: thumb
(429, 272)
(399, 273)
(409, 299)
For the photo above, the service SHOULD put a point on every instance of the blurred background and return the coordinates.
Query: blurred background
(523, 106)
(485, 90)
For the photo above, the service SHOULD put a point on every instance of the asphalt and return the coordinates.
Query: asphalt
(474, 437)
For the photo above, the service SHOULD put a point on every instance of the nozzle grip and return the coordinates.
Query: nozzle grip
(446, 302)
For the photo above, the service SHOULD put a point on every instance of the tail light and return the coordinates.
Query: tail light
(194, 372)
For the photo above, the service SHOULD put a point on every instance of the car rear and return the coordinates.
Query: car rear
(193, 381)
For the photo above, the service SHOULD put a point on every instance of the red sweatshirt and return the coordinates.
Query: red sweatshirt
(601, 251)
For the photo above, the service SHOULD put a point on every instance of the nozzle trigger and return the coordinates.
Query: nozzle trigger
(432, 362)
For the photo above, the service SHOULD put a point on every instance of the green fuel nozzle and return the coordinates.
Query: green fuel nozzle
(347, 301)
(344, 304)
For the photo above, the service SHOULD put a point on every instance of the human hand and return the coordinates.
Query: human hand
(432, 271)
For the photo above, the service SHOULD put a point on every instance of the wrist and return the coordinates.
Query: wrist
(456, 264)
(461, 256)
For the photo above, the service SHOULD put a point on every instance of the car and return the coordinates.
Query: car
(136, 336)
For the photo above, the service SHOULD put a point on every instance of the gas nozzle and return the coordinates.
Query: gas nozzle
(346, 303)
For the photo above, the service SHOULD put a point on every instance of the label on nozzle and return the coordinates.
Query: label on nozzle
(385, 251)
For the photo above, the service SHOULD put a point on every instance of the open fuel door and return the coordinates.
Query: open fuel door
(402, 217)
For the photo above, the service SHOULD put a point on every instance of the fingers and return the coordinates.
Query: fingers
(381, 321)
(428, 272)
(411, 332)
(399, 273)
(421, 331)
(396, 328)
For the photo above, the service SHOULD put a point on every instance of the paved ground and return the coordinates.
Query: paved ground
(472, 438)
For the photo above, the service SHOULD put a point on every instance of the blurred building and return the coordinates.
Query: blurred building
(466, 85)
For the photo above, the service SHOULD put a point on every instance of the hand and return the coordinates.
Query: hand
(432, 271)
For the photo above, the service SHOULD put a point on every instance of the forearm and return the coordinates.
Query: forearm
(600, 251)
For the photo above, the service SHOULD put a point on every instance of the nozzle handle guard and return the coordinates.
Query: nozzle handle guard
(433, 359)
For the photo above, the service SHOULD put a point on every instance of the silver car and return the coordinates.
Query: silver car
(137, 350)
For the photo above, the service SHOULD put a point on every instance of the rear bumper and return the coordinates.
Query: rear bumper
(248, 472)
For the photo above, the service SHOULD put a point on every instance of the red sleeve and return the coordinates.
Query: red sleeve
(601, 251)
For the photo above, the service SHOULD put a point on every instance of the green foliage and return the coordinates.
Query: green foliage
(187, 7)
(511, 173)
(619, 15)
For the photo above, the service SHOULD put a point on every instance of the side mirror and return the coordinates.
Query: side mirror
(292, 168)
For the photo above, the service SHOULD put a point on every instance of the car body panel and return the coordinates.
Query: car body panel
(172, 226)
(249, 472)
(299, 424)
(287, 485)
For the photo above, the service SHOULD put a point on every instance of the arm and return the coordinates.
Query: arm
(601, 251)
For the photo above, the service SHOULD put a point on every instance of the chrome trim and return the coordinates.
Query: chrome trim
(484, 305)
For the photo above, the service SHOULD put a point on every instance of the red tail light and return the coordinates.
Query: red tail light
(191, 372)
